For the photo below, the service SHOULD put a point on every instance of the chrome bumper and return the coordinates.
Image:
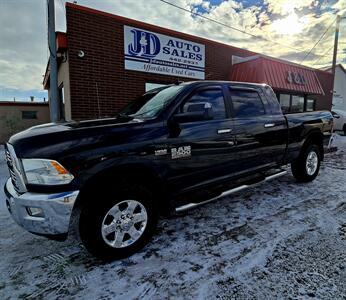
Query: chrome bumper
(56, 210)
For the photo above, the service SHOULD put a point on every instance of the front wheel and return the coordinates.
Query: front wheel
(306, 167)
(119, 223)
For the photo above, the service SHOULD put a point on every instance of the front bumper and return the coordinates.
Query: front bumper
(56, 210)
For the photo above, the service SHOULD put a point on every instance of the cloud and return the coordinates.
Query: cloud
(23, 35)
(284, 7)
(23, 45)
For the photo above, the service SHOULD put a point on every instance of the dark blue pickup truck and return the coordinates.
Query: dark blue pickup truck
(172, 149)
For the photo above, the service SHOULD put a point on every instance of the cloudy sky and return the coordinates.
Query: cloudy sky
(287, 29)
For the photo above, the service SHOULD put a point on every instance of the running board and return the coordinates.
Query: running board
(229, 192)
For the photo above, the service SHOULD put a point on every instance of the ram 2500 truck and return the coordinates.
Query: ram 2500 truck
(172, 149)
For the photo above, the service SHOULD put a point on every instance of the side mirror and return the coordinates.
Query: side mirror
(197, 111)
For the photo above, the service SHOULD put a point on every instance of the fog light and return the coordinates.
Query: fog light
(35, 212)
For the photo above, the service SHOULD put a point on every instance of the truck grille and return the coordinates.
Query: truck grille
(16, 177)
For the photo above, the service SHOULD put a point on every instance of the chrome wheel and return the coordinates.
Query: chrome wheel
(124, 224)
(311, 163)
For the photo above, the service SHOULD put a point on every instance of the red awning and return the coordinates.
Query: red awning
(278, 74)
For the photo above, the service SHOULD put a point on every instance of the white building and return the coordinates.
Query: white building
(339, 97)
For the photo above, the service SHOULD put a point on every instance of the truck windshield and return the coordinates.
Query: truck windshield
(157, 103)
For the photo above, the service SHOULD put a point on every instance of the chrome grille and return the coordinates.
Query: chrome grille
(12, 164)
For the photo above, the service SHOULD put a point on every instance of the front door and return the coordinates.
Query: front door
(200, 150)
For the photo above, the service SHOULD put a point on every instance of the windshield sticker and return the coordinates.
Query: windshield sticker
(180, 152)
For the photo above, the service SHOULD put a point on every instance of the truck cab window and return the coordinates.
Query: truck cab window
(212, 96)
(246, 104)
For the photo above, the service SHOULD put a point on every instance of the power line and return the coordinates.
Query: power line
(321, 37)
(231, 27)
(323, 55)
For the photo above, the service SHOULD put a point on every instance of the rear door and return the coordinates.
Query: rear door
(260, 135)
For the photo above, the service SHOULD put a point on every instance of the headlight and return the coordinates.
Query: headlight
(44, 171)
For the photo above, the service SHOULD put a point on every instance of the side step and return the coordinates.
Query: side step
(231, 191)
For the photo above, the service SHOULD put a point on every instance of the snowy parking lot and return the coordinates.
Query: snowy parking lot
(278, 240)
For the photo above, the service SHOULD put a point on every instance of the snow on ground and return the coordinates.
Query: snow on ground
(278, 240)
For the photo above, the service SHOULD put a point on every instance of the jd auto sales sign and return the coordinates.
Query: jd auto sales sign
(151, 52)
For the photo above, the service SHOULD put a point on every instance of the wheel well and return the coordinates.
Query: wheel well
(317, 139)
(139, 174)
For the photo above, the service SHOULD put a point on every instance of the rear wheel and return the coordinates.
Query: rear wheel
(306, 167)
(344, 129)
(118, 223)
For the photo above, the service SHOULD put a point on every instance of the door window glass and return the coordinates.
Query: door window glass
(212, 96)
(246, 103)
(285, 103)
(310, 105)
(297, 104)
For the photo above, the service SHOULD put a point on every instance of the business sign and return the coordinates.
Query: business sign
(151, 52)
(296, 77)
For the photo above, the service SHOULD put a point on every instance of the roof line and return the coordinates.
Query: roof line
(340, 65)
(287, 62)
(3, 103)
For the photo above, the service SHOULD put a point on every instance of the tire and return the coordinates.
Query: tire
(344, 129)
(306, 167)
(108, 227)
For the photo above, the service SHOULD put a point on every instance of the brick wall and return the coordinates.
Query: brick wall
(324, 102)
(99, 84)
(102, 68)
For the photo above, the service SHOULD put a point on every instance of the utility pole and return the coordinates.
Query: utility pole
(336, 39)
(54, 106)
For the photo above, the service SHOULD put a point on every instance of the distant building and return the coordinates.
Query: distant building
(339, 96)
(17, 116)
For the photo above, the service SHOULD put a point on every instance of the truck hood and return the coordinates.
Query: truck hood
(47, 140)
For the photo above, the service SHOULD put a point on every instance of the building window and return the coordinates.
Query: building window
(246, 104)
(150, 86)
(285, 102)
(297, 104)
(28, 114)
(310, 105)
(292, 103)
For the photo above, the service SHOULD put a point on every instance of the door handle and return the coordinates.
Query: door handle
(268, 125)
(226, 130)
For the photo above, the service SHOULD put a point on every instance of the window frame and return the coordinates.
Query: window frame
(313, 105)
(291, 104)
(305, 104)
(203, 88)
(246, 89)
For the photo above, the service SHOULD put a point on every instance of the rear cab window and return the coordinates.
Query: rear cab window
(246, 103)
